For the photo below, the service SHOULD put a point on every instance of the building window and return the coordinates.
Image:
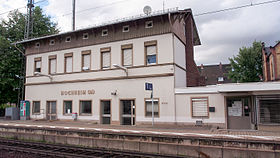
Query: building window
(126, 28)
(221, 79)
(148, 24)
(127, 55)
(37, 44)
(37, 65)
(86, 60)
(151, 52)
(36, 107)
(52, 42)
(68, 60)
(105, 32)
(85, 107)
(68, 39)
(52, 64)
(67, 107)
(85, 36)
(270, 110)
(148, 107)
(199, 107)
(105, 58)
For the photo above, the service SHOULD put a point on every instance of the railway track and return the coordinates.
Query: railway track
(38, 149)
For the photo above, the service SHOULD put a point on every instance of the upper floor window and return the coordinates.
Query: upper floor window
(200, 107)
(127, 55)
(151, 52)
(68, 39)
(105, 58)
(86, 60)
(148, 24)
(37, 64)
(105, 32)
(52, 64)
(68, 62)
(85, 36)
(126, 28)
(52, 42)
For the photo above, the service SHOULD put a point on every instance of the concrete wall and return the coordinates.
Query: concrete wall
(184, 113)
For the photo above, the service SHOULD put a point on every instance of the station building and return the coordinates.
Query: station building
(100, 72)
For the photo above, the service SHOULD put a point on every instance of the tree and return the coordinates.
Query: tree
(12, 60)
(247, 65)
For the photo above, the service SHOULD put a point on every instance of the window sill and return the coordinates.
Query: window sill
(83, 114)
(36, 114)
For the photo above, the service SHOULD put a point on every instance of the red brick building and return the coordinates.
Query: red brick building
(271, 62)
(215, 74)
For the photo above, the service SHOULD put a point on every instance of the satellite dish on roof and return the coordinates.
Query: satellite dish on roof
(147, 10)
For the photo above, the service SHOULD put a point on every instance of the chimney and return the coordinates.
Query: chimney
(221, 66)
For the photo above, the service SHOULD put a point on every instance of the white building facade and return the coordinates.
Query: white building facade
(100, 72)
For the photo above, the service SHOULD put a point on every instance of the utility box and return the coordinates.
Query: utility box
(24, 110)
(12, 113)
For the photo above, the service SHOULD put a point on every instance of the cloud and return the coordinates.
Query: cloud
(221, 34)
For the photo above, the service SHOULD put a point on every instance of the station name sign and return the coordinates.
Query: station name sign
(78, 92)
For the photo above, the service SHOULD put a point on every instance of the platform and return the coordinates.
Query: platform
(171, 140)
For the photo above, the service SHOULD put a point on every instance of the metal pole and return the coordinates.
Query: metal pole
(152, 107)
(73, 20)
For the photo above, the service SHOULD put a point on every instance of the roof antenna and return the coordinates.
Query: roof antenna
(163, 5)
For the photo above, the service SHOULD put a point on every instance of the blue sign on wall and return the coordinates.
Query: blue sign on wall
(148, 86)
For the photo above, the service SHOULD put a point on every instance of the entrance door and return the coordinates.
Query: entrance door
(105, 106)
(127, 109)
(51, 110)
(238, 112)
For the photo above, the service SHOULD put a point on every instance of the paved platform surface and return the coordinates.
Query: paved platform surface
(190, 131)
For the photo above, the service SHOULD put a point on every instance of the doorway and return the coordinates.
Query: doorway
(127, 112)
(51, 110)
(105, 107)
(238, 112)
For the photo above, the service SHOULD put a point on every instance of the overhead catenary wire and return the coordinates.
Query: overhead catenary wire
(20, 8)
(238, 7)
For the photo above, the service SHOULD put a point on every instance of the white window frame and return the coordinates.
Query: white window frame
(147, 24)
(104, 32)
(126, 26)
(68, 37)
(85, 34)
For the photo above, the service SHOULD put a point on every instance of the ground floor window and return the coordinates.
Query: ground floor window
(269, 110)
(67, 107)
(148, 107)
(85, 107)
(199, 107)
(36, 107)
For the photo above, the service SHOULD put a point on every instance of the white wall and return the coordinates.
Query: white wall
(126, 89)
(164, 44)
(183, 106)
(179, 59)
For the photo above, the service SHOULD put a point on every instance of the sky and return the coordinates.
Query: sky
(222, 34)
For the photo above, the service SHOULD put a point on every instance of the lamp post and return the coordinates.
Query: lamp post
(121, 67)
(39, 74)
